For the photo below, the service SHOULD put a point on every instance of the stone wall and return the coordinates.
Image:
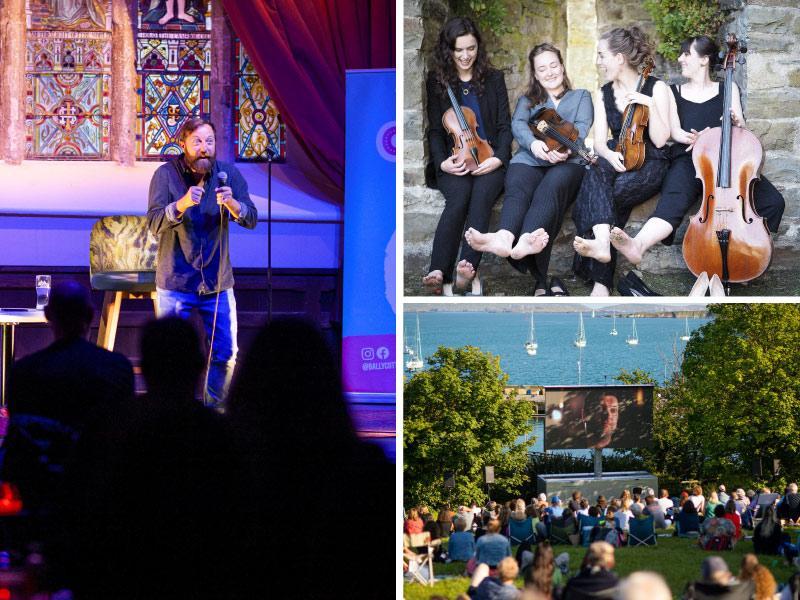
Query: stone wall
(769, 80)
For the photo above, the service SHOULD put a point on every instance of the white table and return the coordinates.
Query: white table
(9, 319)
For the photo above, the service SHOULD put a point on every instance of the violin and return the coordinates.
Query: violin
(634, 125)
(727, 236)
(462, 125)
(560, 135)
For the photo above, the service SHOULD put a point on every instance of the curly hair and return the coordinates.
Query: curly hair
(444, 66)
(536, 92)
(761, 576)
(632, 43)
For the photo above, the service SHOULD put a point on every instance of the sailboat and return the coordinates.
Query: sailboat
(531, 345)
(580, 341)
(685, 337)
(415, 362)
(633, 339)
(614, 324)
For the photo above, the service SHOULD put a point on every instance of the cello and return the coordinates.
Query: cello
(634, 126)
(727, 237)
(462, 125)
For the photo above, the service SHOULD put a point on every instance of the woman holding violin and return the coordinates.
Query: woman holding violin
(610, 190)
(471, 179)
(695, 106)
(541, 182)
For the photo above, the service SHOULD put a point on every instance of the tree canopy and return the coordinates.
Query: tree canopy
(458, 420)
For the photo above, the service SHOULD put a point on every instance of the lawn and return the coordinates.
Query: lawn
(677, 559)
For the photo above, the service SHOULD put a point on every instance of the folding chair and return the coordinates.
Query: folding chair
(587, 525)
(420, 565)
(687, 525)
(560, 535)
(520, 531)
(642, 532)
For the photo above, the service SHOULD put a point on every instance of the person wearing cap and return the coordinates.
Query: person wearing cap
(722, 494)
(718, 583)
(555, 510)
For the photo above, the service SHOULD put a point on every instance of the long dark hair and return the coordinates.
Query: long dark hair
(704, 46)
(536, 92)
(540, 575)
(443, 65)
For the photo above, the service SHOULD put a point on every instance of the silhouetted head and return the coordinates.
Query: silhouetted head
(287, 391)
(172, 360)
(69, 310)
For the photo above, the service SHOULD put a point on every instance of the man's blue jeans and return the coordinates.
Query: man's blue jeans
(224, 350)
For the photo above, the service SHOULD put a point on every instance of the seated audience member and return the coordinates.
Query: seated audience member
(574, 503)
(643, 585)
(595, 577)
(722, 494)
(542, 575)
(461, 545)
(687, 520)
(413, 524)
(652, 507)
(484, 587)
(717, 532)
(491, 509)
(711, 504)
(791, 591)
(490, 548)
(584, 507)
(55, 394)
(602, 504)
(718, 583)
(445, 520)
(637, 499)
(665, 502)
(433, 527)
(622, 516)
(520, 525)
(555, 510)
(314, 450)
(741, 500)
(482, 523)
(733, 517)
(751, 570)
(698, 500)
(467, 515)
(768, 534)
(158, 487)
(789, 505)
(760, 502)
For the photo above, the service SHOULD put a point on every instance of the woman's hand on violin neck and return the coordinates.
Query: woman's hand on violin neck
(454, 166)
(616, 160)
(490, 164)
(638, 98)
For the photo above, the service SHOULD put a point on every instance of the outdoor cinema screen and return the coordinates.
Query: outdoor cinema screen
(617, 416)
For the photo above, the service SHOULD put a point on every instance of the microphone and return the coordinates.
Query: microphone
(223, 178)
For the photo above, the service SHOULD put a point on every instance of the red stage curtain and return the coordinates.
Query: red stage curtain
(301, 49)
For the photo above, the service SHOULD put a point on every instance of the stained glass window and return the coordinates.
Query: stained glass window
(68, 79)
(259, 127)
(173, 62)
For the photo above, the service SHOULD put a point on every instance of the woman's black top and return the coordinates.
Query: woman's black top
(494, 111)
(614, 119)
(696, 115)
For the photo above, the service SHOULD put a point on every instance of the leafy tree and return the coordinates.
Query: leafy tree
(677, 20)
(742, 384)
(458, 420)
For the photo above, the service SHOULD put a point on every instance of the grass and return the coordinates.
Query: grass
(676, 559)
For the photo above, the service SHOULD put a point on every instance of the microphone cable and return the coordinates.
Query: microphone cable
(222, 176)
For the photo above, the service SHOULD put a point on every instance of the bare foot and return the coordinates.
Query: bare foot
(530, 243)
(596, 249)
(433, 282)
(184, 17)
(600, 290)
(166, 18)
(496, 243)
(465, 273)
(628, 246)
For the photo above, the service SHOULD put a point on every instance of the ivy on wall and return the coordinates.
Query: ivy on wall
(676, 20)
(487, 14)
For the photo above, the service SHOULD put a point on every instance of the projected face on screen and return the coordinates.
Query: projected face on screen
(607, 417)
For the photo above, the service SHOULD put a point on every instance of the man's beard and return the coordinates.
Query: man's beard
(201, 164)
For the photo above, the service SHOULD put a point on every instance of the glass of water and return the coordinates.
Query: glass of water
(42, 291)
